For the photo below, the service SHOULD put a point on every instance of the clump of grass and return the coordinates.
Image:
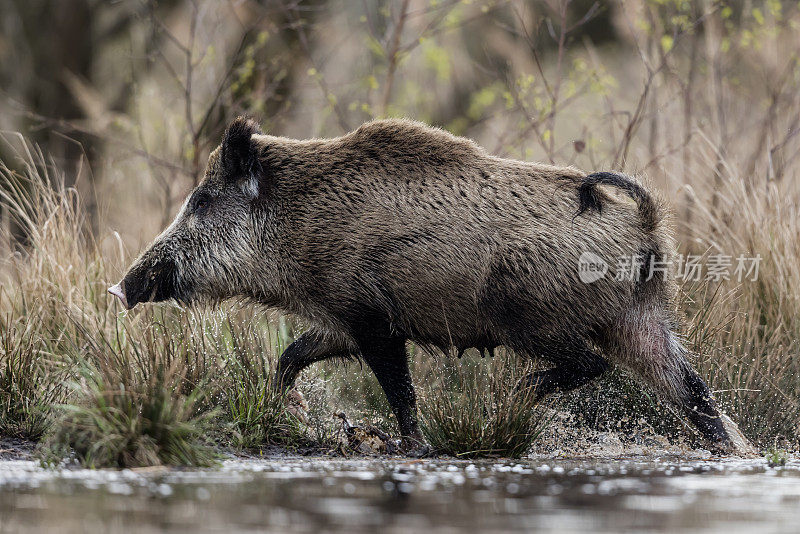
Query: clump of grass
(474, 408)
(776, 457)
(133, 407)
(257, 413)
(31, 383)
(129, 404)
(114, 426)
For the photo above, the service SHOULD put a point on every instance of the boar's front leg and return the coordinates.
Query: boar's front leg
(309, 348)
(387, 358)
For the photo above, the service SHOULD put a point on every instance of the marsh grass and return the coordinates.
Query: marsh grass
(472, 408)
(255, 410)
(31, 381)
(158, 386)
(720, 141)
(133, 419)
(747, 334)
(164, 385)
(776, 457)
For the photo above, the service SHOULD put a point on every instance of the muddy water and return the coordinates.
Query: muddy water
(300, 494)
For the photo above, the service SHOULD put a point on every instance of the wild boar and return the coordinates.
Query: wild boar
(401, 232)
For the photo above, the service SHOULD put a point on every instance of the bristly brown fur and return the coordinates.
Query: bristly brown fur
(399, 231)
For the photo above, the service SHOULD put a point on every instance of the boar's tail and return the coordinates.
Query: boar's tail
(589, 198)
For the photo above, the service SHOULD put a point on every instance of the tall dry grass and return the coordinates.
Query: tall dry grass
(113, 388)
(747, 334)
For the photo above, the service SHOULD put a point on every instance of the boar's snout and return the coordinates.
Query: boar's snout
(118, 291)
(151, 279)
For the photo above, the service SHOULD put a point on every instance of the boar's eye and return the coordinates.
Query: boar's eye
(200, 204)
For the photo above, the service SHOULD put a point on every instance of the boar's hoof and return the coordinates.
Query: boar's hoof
(736, 444)
(415, 447)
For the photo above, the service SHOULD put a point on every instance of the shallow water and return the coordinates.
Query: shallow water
(302, 494)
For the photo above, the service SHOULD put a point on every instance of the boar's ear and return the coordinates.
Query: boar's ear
(240, 154)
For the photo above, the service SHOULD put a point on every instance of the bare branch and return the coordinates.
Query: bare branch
(392, 54)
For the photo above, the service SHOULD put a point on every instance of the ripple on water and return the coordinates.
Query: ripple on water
(289, 493)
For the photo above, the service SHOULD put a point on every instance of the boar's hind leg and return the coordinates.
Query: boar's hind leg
(309, 348)
(574, 368)
(699, 406)
(388, 360)
(644, 341)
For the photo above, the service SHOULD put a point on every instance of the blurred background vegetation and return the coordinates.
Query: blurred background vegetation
(120, 103)
(128, 98)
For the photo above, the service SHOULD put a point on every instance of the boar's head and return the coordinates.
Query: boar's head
(202, 254)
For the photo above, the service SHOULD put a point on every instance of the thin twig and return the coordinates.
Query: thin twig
(392, 54)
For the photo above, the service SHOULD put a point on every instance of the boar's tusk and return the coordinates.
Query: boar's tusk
(118, 292)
